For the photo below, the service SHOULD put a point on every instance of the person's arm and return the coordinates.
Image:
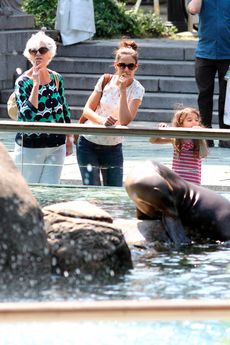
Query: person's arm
(194, 6)
(159, 140)
(128, 109)
(203, 148)
(91, 104)
(65, 107)
(69, 144)
(67, 116)
(34, 92)
(23, 87)
(156, 140)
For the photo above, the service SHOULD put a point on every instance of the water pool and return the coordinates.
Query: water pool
(201, 272)
(113, 333)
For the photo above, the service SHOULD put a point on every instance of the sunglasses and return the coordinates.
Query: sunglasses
(130, 66)
(42, 51)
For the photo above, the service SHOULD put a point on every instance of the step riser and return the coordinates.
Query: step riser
(151, 84)
(176, 50)
(153, 68)
(150, 100)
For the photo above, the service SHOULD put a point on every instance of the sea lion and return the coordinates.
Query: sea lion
(158, 192)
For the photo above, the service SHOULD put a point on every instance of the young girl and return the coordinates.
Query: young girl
(188, 153)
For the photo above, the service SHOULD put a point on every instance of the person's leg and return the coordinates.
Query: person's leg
(30, 162)
(205, 71)
(88, 162)
(111, 160)
(222, 70)
(53, 164)
(222, 66)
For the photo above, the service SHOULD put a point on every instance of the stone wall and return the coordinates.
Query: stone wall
(11, 49)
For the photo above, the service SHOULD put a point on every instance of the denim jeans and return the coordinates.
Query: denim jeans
(94, 159)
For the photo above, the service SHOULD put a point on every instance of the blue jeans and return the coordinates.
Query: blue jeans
(94, 159)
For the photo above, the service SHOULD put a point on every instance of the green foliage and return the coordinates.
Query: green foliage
(112, 19)
(43, 11)
(148, 24)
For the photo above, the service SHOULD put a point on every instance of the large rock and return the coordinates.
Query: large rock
(143, 233)
(23, 242)
(83, 241)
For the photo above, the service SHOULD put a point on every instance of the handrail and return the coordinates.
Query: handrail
(115, 310)
(72, 128)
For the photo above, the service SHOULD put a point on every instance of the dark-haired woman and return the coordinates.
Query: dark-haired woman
(40, 98)
(100, 158)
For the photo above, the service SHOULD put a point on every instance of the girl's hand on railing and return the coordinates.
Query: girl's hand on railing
(162, 125)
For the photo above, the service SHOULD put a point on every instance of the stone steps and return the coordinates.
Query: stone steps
(146, 67)
(166, 70)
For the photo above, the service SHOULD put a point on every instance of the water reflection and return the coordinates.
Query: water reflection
(203, 273)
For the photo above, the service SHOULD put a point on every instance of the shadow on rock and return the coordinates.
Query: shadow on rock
(23, 244)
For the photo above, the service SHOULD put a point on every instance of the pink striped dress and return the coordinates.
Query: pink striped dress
(186, 164)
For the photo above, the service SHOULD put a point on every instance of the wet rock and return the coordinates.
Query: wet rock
(83, 241)
(23, 242)
(80, 209)
(147, 235)
(142, 232)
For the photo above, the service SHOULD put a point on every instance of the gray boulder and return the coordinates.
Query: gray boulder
(84, 241)
(23, 242)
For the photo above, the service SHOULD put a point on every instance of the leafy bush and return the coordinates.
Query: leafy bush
(44, 11)
(148, 24)
(112, 19)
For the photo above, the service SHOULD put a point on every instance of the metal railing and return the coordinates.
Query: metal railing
(115, 310)
(63, 128)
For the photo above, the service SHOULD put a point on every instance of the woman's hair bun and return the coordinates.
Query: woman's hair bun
(128, 44)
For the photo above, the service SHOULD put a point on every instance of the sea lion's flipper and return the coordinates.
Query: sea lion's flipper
(175, 231)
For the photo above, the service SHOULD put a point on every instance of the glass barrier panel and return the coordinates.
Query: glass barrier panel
(200, 272)
(136, 149)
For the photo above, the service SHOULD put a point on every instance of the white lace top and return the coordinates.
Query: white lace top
(109, 105)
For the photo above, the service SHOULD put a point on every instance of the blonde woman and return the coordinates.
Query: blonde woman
(40, 97)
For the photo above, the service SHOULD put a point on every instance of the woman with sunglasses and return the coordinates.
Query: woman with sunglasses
(115, 104)
(40, 98)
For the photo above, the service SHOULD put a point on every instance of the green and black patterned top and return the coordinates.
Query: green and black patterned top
(52, 107)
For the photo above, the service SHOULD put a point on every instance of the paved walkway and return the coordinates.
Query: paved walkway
(215, 173)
